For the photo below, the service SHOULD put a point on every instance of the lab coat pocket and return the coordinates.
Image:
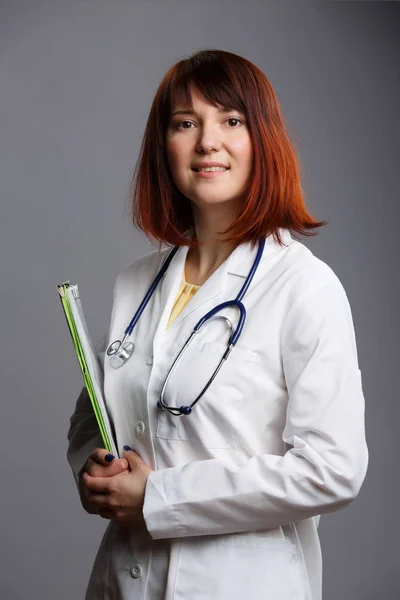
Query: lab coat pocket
(216, 419)
(237, 567)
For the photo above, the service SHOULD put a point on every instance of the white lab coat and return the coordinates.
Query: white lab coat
(232, 506)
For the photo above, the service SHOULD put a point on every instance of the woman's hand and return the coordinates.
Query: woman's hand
(99, 464)
(121, 497)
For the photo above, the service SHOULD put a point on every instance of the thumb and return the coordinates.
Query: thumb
(102, 456)
(131, 456)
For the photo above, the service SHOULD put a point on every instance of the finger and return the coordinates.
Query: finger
(85, 497)
(96, 484)
(123, 463)
(106, 513)
(102, 456)
(86, 494)
(132, 457)
(90, 508)
(117, 466)
(99, 500)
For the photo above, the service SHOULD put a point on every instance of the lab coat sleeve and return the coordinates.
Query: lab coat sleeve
(325, 465)
(83, 435)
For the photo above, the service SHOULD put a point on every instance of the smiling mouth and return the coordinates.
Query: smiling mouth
(210, 169)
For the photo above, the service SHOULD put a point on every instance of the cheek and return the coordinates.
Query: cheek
(177, 159)
(172, 156)
(243, 151)
(177, 152)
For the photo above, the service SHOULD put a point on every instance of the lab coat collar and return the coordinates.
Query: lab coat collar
(170, 284)
(211, 292)
(240, 260)
(237, 262)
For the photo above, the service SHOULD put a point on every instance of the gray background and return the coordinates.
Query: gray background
(77, 79)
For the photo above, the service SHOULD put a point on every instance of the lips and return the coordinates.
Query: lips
(208, 165)
(210, 174)
(198, 170)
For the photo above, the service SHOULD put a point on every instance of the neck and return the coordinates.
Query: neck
(201, 262)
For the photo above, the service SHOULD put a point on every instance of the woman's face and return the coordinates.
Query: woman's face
(209, 134)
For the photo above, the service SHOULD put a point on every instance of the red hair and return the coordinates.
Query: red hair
(274, 197)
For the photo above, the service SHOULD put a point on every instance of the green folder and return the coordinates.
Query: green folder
(88, 361)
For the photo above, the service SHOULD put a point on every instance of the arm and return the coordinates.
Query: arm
(326, 464)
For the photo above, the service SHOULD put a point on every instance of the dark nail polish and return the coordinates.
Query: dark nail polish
(109, 457)
(127, 448)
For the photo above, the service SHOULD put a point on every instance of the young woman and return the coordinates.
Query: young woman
(220, 485)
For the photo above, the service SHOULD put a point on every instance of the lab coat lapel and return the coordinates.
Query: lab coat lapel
(225, 281)
(168, 289)
(244, 256)
(210, 293)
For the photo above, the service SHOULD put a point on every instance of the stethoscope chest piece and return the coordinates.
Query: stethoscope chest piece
(120, 354)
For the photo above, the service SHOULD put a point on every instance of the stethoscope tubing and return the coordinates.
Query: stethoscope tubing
(237, 303)
(118, 345)
(114, 347)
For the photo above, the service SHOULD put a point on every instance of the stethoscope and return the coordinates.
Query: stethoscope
(121, 350)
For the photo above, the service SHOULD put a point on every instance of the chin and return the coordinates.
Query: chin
(213, 197)
(212, 201)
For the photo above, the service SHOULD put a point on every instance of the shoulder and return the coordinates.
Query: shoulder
(303, 273)
(316, 308)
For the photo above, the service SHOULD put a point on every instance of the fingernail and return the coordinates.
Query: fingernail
(109, 457)
(127, 448)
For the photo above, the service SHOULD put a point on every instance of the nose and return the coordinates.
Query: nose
(209, 138)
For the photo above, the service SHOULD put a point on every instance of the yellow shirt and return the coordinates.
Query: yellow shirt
(185, 292)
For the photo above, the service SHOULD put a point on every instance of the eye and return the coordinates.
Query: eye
(234, 119)
(179, 125)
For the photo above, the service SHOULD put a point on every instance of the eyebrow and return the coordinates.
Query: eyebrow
(192, 112)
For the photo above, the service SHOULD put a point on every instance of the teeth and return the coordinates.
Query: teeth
(206, 169)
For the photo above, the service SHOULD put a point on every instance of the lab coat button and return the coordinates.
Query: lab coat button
(136, 571)
(140, 427)
(149, 360)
